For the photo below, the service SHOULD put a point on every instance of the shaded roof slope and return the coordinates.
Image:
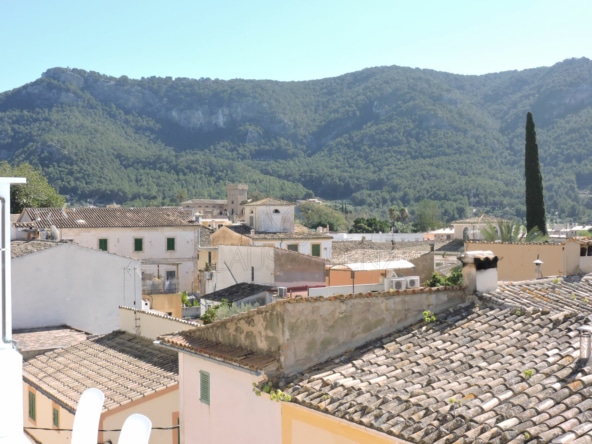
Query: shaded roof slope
(237, 292)
(124, 366)
(90, 217)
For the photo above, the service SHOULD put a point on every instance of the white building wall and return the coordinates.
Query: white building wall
(235, 414)
(120, 241)
(75, 286)
(304, 245)
(244, 263)
(272, 219)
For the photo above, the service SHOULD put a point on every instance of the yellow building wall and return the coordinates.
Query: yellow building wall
(516, 259)
(44, 419)
(160, 407)
(167, 303)
(301, 425)
(225, 236)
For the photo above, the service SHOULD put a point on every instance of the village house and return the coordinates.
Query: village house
(62, 283)
(135, 376)
(230, 208)
(571, 257)
(482, 363)
(164, 239)
(261, 265)
(470, 229)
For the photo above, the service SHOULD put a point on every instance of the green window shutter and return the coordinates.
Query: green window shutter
(56, 418)
(170, 244)
(103, 244)
(293, 247)
(32, 410)
(138, 245)
(204, 387)
(316, 250)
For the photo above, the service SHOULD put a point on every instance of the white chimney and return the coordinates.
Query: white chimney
(11, 362)
(585, 345)
(479, 271)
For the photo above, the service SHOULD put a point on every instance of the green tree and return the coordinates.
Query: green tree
(427, 215)
(315, 215)
(36, 193)
(535, 205)
(369, 225)
(509, 231)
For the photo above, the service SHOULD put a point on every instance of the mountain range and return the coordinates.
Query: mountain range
(371, 139)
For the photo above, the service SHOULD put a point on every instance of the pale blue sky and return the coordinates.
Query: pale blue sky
(284, 39)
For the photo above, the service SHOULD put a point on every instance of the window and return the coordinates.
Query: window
(32, 409)
(103, 244)
(276, 211)
(204, 387)
(56, 417)
(138, 244)
(293, 247)
(316, 250)
(170, 244)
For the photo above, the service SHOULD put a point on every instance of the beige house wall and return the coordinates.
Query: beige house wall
(170, 303)
(234, 415)
(160, 407)
(225, 236)
(151, 325)
(516, 259)
(44, 418)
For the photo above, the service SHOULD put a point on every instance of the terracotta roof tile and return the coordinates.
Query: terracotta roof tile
(91, 217)
(492, 374)
(122, 365)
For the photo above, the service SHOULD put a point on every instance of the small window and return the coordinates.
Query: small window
(316, 250)
(32, 409)
(56, 418)
(138, 244)
(293, 247)
(103, 244)
(204, 387)
(170, 244)
(276, 211)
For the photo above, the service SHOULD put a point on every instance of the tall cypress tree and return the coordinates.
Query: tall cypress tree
(535, 205)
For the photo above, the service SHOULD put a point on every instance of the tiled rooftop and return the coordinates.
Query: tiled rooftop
(480, 374)
(245, 230)
(237, 292)
(269, 201)
(34, 340)
(90, 217)
(573, 293)
(502, 369)
(373, 256)
(125, 367)
(22, 248)
(224, 353)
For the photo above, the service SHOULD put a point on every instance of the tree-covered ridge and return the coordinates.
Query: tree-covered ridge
(374, 138)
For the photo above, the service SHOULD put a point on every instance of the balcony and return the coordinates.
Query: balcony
(160, 286)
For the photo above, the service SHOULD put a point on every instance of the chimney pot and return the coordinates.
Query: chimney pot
(585, 343)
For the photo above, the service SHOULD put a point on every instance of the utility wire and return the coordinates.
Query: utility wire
(100, 430)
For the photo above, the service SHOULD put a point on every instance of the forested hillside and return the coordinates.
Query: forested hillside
(375, 138)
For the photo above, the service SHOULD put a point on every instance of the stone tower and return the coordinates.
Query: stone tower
(236, 194)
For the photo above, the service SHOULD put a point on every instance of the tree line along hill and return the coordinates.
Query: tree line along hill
(367, 140)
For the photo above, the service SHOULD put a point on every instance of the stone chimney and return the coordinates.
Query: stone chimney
(479, 271)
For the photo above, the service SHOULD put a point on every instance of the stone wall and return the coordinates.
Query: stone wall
(301, 332)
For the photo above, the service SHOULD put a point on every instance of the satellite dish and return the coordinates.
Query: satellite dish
(86, 419)
(136, 430)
